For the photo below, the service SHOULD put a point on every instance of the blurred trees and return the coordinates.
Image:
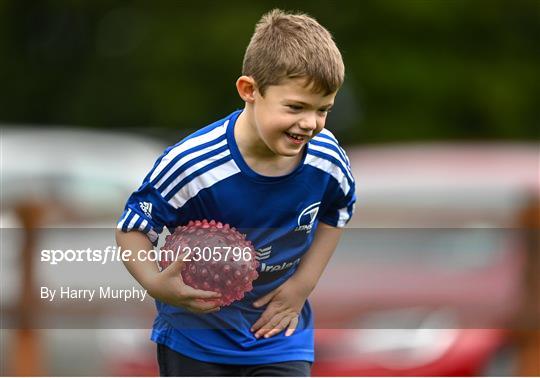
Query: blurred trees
(416, 69)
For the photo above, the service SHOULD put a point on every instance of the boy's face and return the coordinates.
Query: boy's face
(289, 115)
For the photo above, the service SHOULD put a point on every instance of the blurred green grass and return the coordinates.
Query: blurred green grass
(416, 69)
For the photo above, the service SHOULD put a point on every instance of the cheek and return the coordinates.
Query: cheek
(270, 127)
(277, 123)
(320, 125)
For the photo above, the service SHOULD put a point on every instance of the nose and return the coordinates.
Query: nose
(308, 122)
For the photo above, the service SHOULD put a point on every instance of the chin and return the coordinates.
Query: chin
(281, 149)
(288, 152)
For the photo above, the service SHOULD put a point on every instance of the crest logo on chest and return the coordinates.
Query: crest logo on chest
(307, 218)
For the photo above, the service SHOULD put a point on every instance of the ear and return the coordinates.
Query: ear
(245, 85)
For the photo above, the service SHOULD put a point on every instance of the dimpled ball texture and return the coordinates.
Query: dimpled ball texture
(229, 273)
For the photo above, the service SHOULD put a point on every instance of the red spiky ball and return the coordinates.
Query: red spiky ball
(226, 259)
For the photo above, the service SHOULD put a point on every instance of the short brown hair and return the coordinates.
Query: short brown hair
(293, 45)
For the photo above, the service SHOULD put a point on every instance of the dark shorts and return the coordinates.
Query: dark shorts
(174, 364)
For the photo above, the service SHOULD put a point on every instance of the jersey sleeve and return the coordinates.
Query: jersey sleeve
(341, 196)
(340, 209)
(147, 210)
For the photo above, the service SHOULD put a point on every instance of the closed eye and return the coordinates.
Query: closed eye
(294, 107)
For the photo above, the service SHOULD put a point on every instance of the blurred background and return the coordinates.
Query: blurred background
(440, 116)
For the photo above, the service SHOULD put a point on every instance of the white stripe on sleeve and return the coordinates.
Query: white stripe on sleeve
(190, 143)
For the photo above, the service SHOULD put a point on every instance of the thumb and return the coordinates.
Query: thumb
(265, 299)
(176, 266)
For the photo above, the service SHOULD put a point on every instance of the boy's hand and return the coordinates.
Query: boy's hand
(168, 286)
(284, 306)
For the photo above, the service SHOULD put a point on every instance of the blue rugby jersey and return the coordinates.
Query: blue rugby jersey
(205, 177)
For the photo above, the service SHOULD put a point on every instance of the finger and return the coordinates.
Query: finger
(270, 325)
(265, 299)
(292, 326)
(215, 309)
(203, 306)
(267, 315)
(280, 327)
(192, 293)
(199, 311)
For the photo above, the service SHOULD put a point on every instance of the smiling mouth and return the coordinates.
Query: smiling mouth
(296, 137)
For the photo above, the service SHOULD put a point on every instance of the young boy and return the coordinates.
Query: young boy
(273, 172)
